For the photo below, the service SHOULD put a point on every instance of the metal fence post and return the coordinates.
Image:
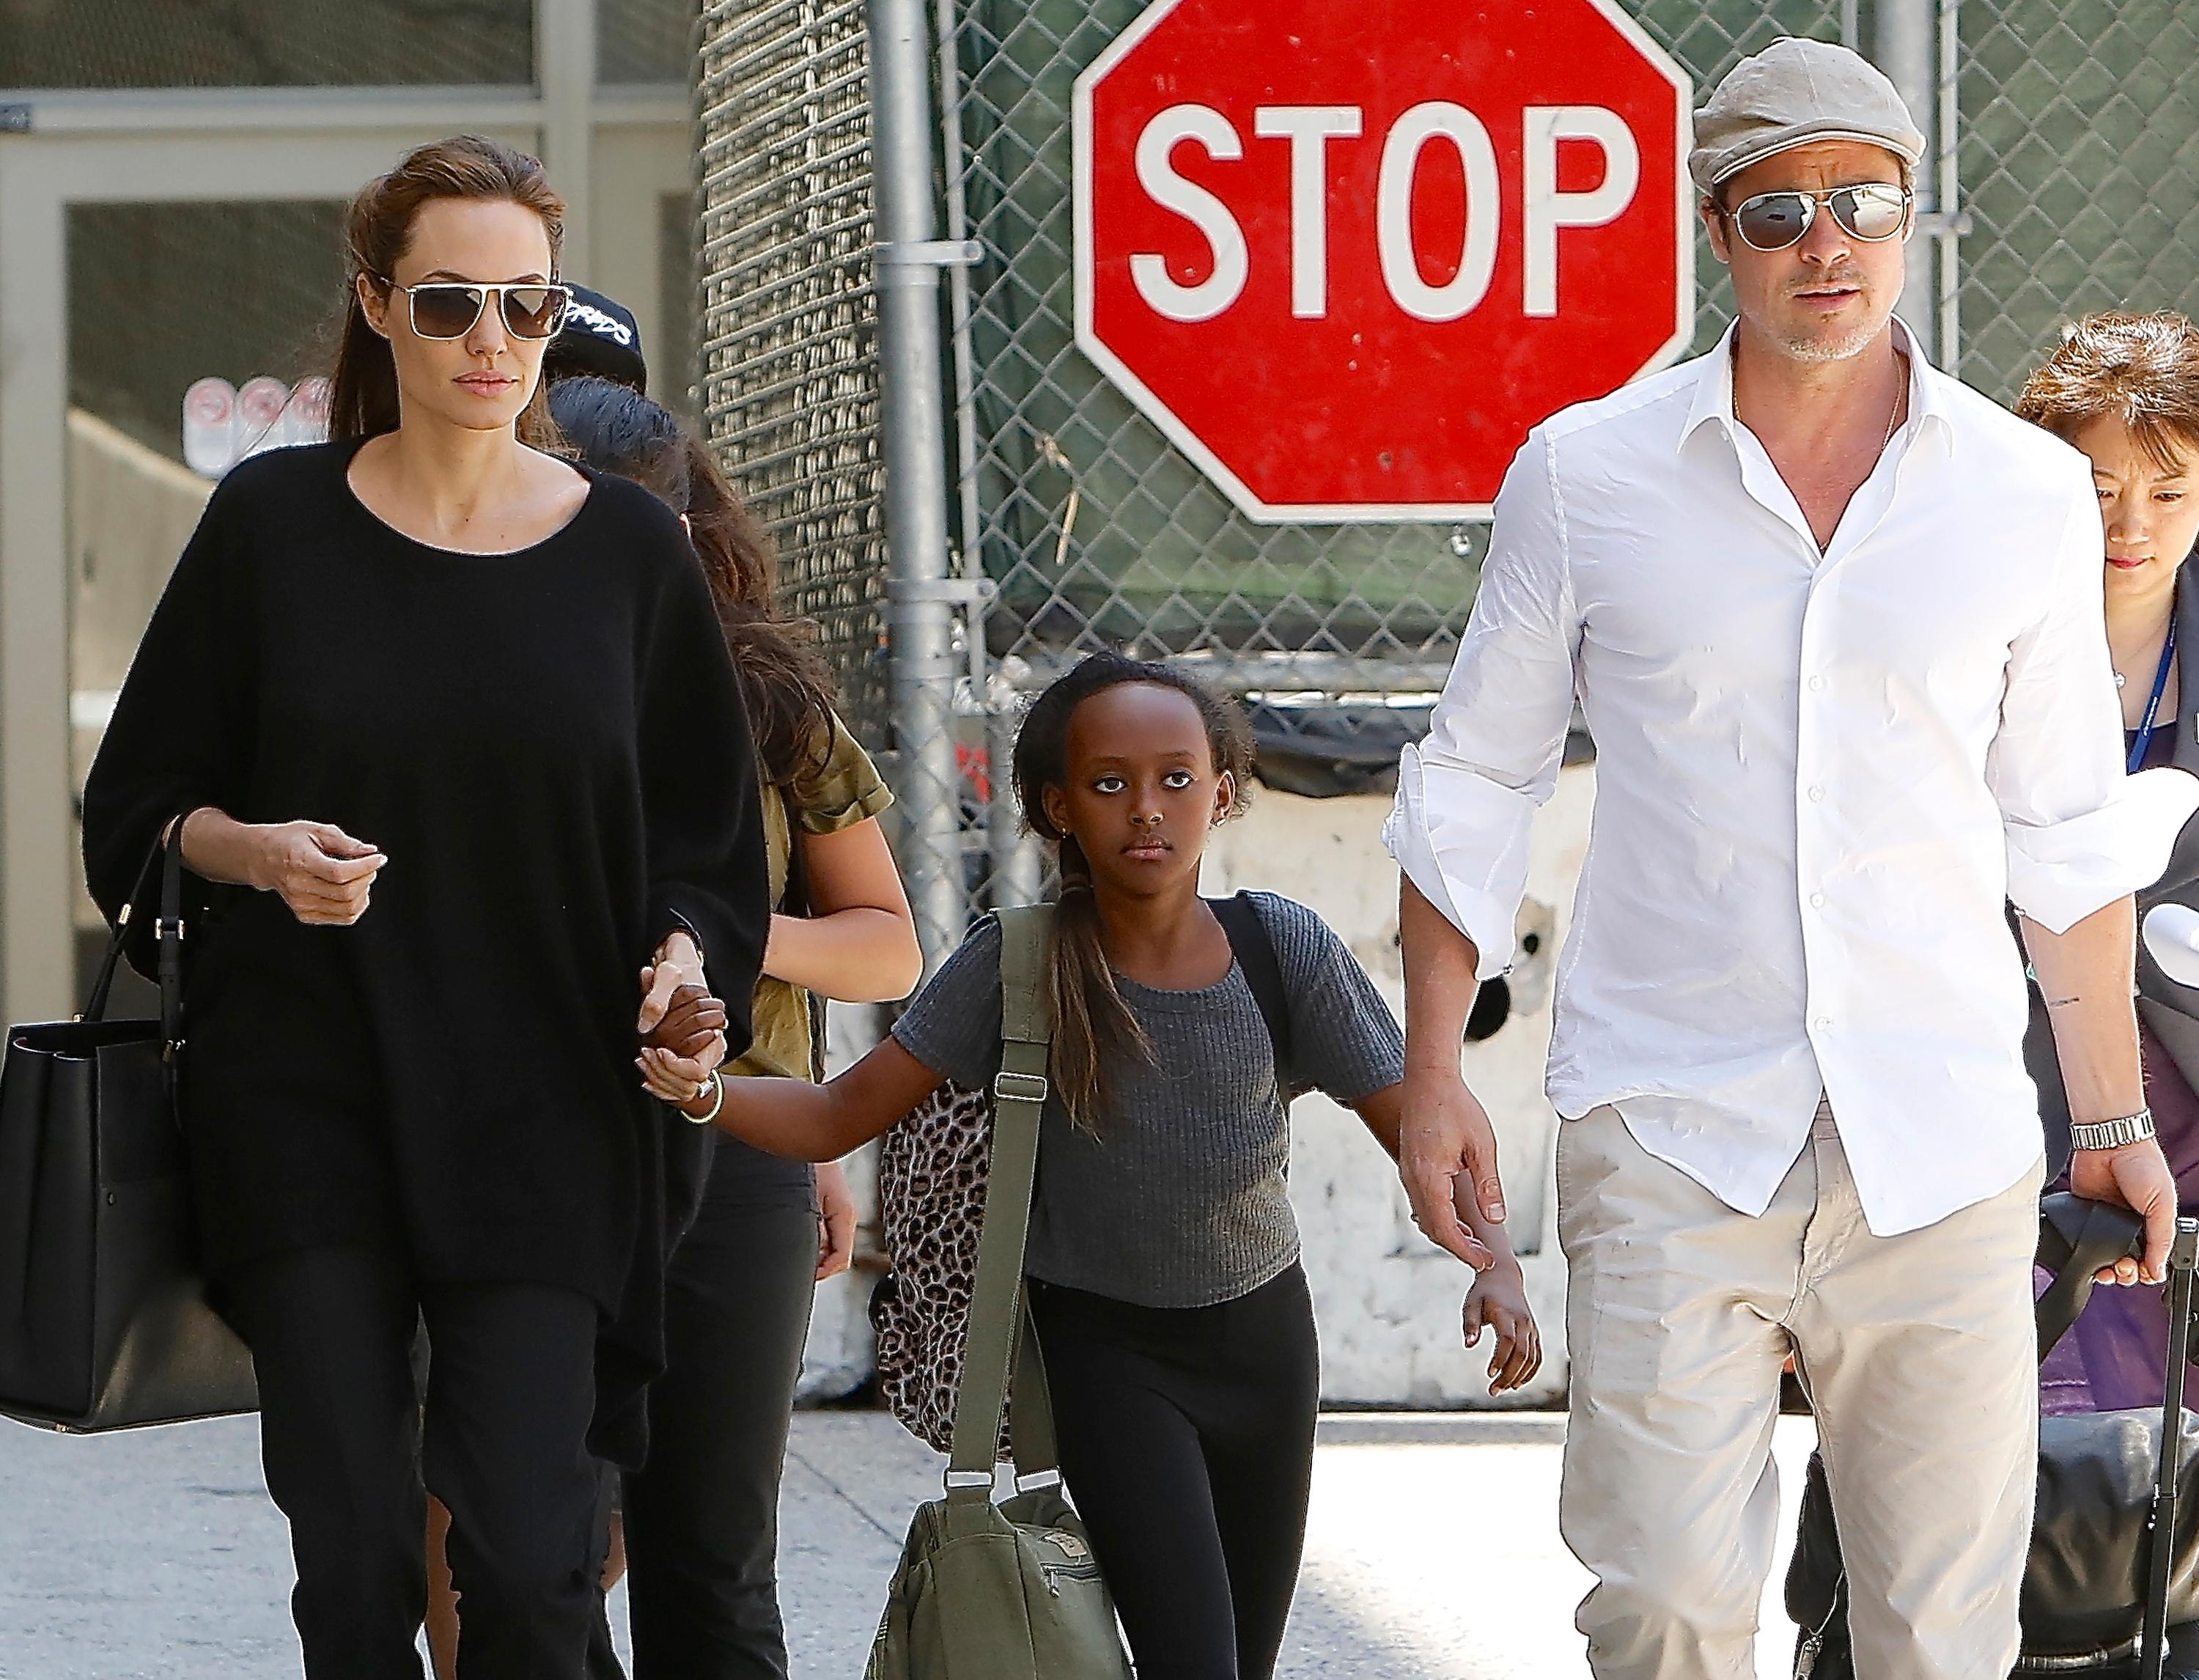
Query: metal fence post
(1906, 46)
(921, 593)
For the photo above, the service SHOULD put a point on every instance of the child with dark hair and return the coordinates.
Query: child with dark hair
(1165, 1286)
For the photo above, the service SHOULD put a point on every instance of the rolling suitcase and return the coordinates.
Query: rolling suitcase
(2111, 1589)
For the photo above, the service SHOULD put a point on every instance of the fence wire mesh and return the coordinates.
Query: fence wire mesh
(790, 353)
(2078, 164)
(1097, 530)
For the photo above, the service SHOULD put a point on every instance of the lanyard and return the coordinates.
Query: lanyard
(2153, 706)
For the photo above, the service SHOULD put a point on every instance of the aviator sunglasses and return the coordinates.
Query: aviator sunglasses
(1870, 211)
(445, 309)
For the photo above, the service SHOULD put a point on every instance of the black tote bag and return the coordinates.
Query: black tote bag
(103, 1316)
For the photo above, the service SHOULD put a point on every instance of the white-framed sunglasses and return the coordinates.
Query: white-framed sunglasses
(445, 309)
(1871, 210)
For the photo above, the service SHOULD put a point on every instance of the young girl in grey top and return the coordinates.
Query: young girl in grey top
(1164, 1260)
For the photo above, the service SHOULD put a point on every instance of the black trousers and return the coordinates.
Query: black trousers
(347, 1442)
(702, 1516)
(1187, 1442)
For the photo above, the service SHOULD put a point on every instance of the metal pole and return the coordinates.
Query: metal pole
(565, 65)
(1953, 221)
(1907, 50)
(921, 593)
(958, 314)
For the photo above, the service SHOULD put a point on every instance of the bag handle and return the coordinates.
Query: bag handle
(996, 1303)
(168, 938)
(2076, 1238)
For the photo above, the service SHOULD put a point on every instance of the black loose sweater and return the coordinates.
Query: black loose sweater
(549, 746)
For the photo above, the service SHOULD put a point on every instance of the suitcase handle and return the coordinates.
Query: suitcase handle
(2076, 1238)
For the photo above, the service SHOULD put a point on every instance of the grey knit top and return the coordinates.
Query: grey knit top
(1179, 1201)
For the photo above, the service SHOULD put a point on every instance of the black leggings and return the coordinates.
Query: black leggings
(1187, 1442)
(342, 1437)
(702, 1516)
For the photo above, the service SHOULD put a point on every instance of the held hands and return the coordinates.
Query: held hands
(1448, 1151)
(321, 873)
(684, 1047)
(1498, 1302)
(677, 963)
(2135, 1176)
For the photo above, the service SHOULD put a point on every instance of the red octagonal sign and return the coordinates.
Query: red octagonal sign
(1345, 252)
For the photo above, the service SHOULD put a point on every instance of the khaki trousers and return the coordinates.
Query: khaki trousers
(1919, 1355)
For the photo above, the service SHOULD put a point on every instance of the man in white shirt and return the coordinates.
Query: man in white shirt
(1834, 620)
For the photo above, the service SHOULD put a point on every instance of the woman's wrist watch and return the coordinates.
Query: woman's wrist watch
(2112, 1133)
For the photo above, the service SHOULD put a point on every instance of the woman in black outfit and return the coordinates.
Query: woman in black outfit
(456, 751)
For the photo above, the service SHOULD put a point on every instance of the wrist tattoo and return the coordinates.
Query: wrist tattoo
(2064, 1002)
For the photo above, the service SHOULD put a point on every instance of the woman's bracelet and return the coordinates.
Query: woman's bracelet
(718, 1079)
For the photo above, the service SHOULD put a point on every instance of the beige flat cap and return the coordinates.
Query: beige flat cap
(1793, 93)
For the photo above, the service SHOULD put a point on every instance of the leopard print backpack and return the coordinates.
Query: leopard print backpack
(935, 1167)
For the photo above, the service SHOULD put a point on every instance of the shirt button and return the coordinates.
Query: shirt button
(1821, 1023)
(1817, 794)
(1817, 684)
(1816, 901)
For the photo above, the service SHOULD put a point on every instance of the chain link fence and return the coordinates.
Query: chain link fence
(2080, 164)
(2077, 151)
(789, 315)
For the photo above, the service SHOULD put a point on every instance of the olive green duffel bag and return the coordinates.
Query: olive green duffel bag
(1006, 1590)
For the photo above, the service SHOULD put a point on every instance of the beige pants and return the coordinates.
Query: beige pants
(1918, 1354)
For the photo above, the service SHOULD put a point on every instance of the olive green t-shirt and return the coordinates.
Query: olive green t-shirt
(835, 791)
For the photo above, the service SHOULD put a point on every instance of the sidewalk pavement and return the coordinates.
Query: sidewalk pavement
(1433, 1553)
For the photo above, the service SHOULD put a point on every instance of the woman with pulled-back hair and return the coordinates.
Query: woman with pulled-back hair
(453, 751)
(1165, 1288)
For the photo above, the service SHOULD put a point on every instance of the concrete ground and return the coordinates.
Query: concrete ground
(1433, 1552)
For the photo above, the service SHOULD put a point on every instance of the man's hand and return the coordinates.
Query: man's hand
(2135, 1176)
(1447, 1138)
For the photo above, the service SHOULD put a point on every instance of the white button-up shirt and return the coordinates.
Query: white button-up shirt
(1819, 778)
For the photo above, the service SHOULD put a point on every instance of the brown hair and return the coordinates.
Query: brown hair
(377, 228)
(2139, 371)
(616, 429)
(1091, 1022)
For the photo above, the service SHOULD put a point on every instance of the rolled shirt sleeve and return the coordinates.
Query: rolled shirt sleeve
(2081, 833)
(1467, 794)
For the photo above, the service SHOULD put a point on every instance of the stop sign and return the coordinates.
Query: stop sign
(1345, 252)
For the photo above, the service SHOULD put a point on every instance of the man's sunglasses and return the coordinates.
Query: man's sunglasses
(450, 308)
(1874, 210)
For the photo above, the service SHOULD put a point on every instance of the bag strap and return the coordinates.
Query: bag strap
(2076, 1238)
(168, 938)
(1254, 948)
(996, 1303)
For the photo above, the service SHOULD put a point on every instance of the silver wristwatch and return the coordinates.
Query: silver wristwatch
(2113, 1133)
